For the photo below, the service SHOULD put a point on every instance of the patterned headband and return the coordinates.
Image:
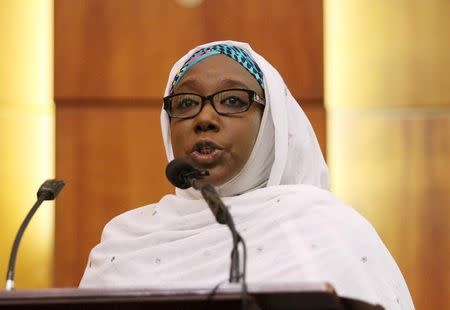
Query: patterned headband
(231, 51)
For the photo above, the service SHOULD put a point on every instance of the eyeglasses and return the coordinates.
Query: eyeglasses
(224, 102)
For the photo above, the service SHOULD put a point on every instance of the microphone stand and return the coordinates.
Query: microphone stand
(48, 191)
(183, 175)
(15, 247)
(222, 216)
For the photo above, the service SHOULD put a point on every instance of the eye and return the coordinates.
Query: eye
(185, 103)
(233, 102)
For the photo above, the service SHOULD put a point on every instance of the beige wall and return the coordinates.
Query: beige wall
(387, 95)
(26, 136)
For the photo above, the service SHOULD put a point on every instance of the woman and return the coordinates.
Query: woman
(226, 109)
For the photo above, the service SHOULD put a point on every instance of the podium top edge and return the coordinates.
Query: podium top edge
(167, 290)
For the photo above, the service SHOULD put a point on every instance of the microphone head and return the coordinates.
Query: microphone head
(179, 173)
(50, 189)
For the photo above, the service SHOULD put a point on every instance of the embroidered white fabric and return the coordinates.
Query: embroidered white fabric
(295, 230)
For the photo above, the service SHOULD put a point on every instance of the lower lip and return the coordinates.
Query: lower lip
(205, 159)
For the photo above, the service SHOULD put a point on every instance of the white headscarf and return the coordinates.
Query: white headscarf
(287, 153)
(295, 230)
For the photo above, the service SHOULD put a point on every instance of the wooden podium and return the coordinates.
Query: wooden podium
(279, 296)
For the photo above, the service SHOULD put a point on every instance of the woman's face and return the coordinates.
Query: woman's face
(221, 144)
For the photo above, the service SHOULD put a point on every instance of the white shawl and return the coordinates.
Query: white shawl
(295, 230)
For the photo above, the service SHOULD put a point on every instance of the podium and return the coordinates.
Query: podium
(268, 296)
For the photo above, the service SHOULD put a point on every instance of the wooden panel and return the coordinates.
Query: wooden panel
(392, 166)
(387, 53)
(316, 114)
(288, 33)
(115, 49)
(112, 159)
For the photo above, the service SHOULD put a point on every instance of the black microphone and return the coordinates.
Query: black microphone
(48, 191)
(183, 175)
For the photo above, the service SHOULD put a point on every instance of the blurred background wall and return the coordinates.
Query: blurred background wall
(26, 135)
(387, 94)
(385, 132)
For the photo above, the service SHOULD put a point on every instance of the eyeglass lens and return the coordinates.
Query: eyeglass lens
(225, 102)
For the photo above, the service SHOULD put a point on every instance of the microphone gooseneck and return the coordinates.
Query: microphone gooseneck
(183, 175)
(47, 191)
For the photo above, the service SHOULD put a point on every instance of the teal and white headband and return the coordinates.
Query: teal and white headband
(231, 51)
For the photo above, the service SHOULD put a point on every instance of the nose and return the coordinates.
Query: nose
(207, 119)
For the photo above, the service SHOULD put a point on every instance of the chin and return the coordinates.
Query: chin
(214, 178)
(211, 180)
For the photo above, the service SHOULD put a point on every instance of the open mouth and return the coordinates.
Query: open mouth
(205, 153)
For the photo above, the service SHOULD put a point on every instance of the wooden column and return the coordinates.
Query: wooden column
(387, 93)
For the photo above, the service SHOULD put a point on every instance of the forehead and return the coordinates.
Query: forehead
(216, 72)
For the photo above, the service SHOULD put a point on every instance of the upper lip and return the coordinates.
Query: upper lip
(205, 144)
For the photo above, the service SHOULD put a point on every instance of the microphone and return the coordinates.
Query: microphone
(47, 191)
(183, 175)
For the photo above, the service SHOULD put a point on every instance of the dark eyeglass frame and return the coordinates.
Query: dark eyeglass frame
(252, 97)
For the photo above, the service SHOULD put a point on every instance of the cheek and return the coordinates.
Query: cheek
(247, 135)
(177, 138)
(254, 124)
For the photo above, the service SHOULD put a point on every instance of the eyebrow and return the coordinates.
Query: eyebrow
(227, 82)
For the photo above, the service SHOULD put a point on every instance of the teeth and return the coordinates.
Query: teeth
(206, 150)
